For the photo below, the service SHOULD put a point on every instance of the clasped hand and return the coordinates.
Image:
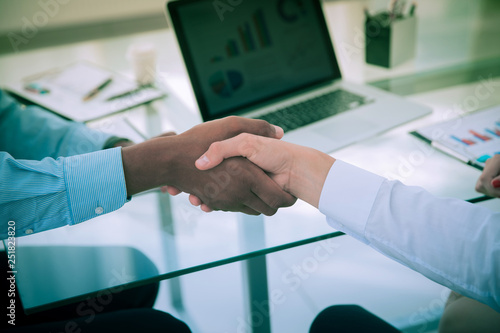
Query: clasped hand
(302, 171)
(236, 184)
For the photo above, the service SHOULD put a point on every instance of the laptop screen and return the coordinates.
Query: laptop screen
(242, 53)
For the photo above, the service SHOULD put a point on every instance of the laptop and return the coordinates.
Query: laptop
(274, 60)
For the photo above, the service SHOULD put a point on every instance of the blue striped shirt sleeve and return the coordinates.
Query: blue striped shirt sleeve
(47, 194)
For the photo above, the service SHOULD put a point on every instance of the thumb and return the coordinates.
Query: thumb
(239, 145)
(215, 154)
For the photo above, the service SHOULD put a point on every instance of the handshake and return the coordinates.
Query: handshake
(239, 164)
(236, 184)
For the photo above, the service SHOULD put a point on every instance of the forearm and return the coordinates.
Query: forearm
(448, 240)
(42, 195)
(148, 165)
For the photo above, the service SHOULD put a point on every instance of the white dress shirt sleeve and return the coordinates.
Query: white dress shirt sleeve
(450, 241)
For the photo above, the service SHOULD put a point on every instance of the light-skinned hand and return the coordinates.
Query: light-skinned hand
(298, 170)
(489, 181)
(234, 185)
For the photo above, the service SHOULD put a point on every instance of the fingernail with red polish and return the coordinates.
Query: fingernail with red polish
(496, 183)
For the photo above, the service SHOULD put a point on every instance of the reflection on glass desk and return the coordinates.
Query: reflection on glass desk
(72, 263)
(70, 271)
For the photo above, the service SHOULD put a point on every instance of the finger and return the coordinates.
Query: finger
(245, 145)
(170, 133)
(489, 181)
(249, 211)
(194, 200)
(172, 190)
(271, 193)
(238, 125)
(495, 187)
(279, 132)
(206, 209)
(495, 182)
(256, 204)
(267, 195)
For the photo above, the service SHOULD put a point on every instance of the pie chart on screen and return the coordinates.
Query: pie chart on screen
(225, 83)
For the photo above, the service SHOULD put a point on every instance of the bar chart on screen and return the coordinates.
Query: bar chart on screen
(249, 36)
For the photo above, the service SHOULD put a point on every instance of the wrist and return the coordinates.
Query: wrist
(308, 175)
(115, 141)
(147, 165)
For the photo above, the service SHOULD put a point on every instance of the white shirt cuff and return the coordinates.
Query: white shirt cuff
(347, 198)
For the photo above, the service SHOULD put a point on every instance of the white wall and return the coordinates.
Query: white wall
(50, 14)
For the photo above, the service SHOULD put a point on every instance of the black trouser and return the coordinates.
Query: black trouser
(349, 319)
(127, 311)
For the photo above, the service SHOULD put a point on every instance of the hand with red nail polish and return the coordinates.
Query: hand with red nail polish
(489, 181)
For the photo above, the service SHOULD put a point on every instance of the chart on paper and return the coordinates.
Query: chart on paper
(473, 138)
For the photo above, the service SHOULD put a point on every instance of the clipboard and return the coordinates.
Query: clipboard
(83, 91)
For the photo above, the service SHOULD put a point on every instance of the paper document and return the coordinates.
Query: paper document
(83, 91)
(473, 138)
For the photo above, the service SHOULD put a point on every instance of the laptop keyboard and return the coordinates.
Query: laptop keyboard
(313, 110)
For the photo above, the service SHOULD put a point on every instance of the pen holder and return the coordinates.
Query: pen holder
(390, 42)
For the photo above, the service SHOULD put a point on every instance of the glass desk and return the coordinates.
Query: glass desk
(155, 237)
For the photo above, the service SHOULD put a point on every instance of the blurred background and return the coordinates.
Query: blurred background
(63, 21)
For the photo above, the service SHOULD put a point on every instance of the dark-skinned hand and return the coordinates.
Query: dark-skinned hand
(234, 185)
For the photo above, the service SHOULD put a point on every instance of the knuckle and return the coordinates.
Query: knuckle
(215, 148)
(265, 128)
(276, 202)
(271, 212)
(245, 137)
(248, 145)
(234, 124)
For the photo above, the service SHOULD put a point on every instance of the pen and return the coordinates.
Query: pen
(95, 91)
(391, 9)
(412, 8)
(479, 199)
(124, 94)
